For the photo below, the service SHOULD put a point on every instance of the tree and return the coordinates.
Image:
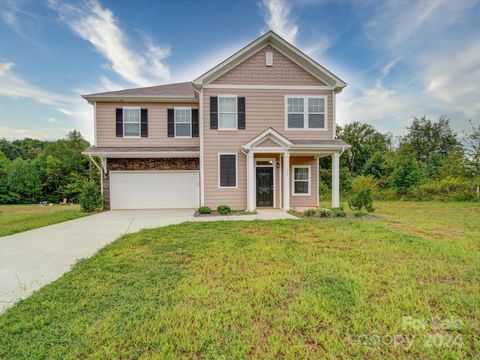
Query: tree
(5, 168)
(24, 181)
(473, 153)
(453, 165)
(365, 142)
(426, 137)
(10, 150)
(406, 174)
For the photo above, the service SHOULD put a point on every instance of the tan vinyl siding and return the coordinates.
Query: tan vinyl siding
(264, 109)
(304, 201)
(268, 143)
(157, 126)
(253, 71)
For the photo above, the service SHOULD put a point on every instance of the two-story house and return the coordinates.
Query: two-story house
(248, 133)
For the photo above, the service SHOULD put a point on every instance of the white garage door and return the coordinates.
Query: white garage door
(153, 189)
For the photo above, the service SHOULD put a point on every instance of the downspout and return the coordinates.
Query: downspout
(201, 156)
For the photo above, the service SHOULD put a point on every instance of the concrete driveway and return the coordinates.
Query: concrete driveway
(32, 259)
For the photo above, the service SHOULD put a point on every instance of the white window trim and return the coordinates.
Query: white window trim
(139, 122)
(305, 112)
(236, 171)
(309, 167)
(175, 122)
(236, 112)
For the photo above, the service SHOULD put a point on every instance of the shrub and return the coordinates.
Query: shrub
(310, 212)
(324, 213)
(204, 210)
(362, 190)
(91, 199)
(450, 188)
(338, 212)
(224, 209)
(359, 213)
(407, 174)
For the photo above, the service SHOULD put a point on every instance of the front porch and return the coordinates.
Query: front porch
(284, 174)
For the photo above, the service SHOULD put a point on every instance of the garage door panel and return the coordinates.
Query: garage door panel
(154, 189)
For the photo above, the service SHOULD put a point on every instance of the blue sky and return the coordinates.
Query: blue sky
(400, 58)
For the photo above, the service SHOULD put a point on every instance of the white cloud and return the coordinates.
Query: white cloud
(80, 113)
(42, 134)
(13, 85)
(9, 17)
(65, 111)
(435, 44)
(98, 25)
(279, 19)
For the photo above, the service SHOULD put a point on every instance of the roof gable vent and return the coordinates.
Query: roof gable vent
(269, 58)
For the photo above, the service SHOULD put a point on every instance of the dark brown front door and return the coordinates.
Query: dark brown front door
(264, 186)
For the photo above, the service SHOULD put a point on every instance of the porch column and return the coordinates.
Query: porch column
(286, 181)
(335, 180)
(250, 182)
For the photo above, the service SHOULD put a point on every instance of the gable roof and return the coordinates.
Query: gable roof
(269, 133)
(185, 91)
(283, 46)
(296, 145)
(177, 91)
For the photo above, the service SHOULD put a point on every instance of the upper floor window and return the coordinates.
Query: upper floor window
(227, 112)
(306, 112)
(183, 122)
(131, 122)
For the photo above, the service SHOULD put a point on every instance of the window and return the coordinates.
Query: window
(306, 112)
(301, 180)
(296, 110)
(183, 122)
(131, 122)
(227, 170)
(227, 112)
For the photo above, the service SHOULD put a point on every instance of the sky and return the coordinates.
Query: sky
(400, 58)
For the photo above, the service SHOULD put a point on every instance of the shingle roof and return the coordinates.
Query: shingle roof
(334, 142)
(181, 90)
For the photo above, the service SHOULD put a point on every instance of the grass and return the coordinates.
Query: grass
(18, 218)
(285, 289)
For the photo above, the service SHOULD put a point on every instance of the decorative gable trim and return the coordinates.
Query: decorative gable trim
(281, 45)
(269, 134)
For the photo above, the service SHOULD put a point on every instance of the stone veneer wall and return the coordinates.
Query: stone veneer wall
(144, 164)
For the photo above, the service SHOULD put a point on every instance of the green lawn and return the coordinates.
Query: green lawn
(403, 285)
(18, 218)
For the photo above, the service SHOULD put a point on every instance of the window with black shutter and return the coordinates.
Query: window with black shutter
(227, 170)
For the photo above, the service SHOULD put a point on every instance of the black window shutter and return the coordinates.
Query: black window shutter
(171, 123)
(213, 112)
(228, 171)
(144, 122)
(194, 122)
(119, 122)
(241, 112)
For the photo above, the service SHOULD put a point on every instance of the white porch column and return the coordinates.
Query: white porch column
(286, 181)
(250, 182)
(335, 180)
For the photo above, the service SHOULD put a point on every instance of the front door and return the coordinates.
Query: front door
(264, 186)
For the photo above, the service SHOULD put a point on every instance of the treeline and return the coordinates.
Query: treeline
(33, 170)
(429, 162)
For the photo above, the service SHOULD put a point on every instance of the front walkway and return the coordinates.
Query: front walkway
(262, 214)
(34, 258)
